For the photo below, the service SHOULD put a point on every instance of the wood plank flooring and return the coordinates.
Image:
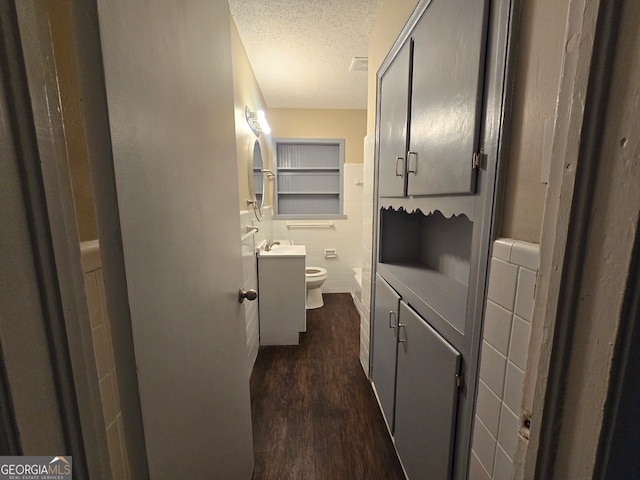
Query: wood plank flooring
(315, 415)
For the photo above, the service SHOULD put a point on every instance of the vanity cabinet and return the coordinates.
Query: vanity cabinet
(282, 293)
(431, 102)
(415, 375)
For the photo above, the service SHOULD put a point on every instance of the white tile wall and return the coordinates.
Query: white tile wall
(512, 281)
(345, 236)
(508, 434)
(366, 250)
(476, 469)
(105, 363)
(484, 446)
(519, 342)
(524, 299)
(503, 283)
(503, 467)
(488, 406)
(493, 366)
(497, 327)
(250, 275)
(513, 387)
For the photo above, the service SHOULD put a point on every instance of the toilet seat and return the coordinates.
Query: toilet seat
(311, 272)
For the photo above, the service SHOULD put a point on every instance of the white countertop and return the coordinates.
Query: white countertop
(283, 251)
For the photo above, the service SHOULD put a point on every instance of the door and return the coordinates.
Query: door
(446, 101)
(171, 113)
(394, 104)
(385, 346)
(426, 398)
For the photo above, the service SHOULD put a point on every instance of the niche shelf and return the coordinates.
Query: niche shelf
(430, 255)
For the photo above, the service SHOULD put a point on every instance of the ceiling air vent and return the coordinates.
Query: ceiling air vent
(359, 64)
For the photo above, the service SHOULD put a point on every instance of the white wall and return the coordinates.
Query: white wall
(345, 236)
(250, 275)
(505, 345)
(367, 247)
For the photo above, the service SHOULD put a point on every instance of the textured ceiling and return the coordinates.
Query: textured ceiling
(301, 50)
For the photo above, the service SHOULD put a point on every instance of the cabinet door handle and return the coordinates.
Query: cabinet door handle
(392, 324)
(402, 326)
(399, 162)
(413, 170)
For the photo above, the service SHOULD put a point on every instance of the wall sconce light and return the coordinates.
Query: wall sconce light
(262, 121)
(252, 121)
(257, 121)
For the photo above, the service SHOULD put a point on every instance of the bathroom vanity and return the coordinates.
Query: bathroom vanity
(282, 290)
(439, 136)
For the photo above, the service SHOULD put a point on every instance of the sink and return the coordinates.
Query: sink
(283, 251)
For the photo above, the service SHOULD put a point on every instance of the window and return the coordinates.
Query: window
(309, 178)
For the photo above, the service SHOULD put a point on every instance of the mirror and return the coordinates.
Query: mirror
(256, 177)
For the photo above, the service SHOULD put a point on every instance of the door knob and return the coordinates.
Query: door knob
(249, 295)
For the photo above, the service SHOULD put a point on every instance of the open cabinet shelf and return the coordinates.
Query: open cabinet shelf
(430, 256)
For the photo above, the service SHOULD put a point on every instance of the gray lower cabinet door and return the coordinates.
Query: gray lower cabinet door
(426, 398)
(385, 345)
(446, 102)
(394, 106)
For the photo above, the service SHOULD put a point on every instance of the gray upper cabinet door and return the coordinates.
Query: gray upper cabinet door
(426, 398)
(448, 56)
(385, 346)
(394, 106)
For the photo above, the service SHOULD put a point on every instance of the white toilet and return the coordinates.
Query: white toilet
(315, 277)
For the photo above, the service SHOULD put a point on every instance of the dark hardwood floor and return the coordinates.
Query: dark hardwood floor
(315, 415)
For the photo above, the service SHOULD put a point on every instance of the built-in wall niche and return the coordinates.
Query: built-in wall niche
(430, 253)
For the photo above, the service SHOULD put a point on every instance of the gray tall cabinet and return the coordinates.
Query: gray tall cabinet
(441, 111)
